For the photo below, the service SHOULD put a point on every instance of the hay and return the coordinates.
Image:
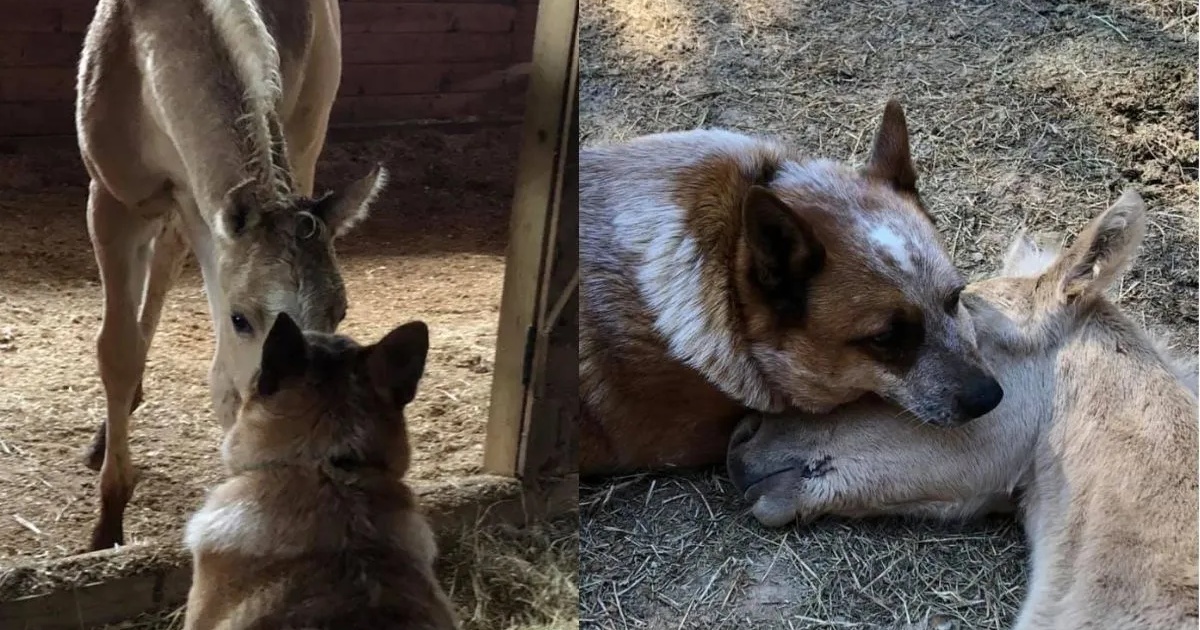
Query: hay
(1022, 113)
(498, 577)
(681, 552)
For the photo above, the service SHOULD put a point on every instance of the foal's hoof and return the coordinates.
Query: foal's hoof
(106, 536)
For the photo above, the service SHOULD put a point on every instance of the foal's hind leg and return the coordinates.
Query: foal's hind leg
(121, 240)
(170, 251)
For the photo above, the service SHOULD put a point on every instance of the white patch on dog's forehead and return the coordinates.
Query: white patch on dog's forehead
(893, 243)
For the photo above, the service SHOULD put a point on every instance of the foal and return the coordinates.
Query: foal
(315, 527)
(1096, 440)
(200, 123)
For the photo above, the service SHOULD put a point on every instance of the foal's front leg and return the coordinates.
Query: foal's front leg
(170, 251)
(121, 241)
(864, 460)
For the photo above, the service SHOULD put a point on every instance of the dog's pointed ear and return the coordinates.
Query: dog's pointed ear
(1102, 252)
(785, 253)
(397, 362)
(284, 355)
(891, 159)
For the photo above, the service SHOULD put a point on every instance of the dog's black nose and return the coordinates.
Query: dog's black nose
(980, 396)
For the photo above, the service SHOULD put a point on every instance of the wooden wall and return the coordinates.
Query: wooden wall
(403, 61)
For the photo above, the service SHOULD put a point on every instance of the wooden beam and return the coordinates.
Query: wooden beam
(518, 443)
(550, 430)
(101, 587)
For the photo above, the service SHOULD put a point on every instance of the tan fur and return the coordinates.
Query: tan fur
(1095, 443)
(200, 123)
(315, 527)
(679, 334)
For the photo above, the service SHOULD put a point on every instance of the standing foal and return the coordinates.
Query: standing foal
(190, 115)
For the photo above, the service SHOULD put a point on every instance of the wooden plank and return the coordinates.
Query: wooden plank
(37, 119)
(425, 47)
(54, 83)
(550, 438)
(532, 231)
(423, 78)
(114, 585)
(442, 17)
(451, 106)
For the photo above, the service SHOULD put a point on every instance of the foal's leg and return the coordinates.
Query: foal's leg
(170, 251)
(121, 240)
(306, 137)
(225, 396)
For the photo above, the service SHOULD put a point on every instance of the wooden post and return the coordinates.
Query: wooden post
(533, 417)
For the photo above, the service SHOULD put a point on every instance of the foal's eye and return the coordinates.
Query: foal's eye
(241, 325)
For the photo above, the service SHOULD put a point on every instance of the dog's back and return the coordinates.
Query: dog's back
(315, 527)
(376, 577)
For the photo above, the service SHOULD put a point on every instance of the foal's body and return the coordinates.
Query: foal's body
(200, 123)
(1097, 435)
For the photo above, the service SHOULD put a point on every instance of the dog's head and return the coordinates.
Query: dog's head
(846, 289)
(321, 399)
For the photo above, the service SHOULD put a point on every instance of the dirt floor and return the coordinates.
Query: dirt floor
(433, 250)
(1021, 112)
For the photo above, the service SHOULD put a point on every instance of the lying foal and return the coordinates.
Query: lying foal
(315, 527)
(1095, 444)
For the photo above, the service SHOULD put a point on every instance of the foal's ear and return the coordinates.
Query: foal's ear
(1102, 252)
(343, 210)
(284, 355)
(397, 362)
(239, 211)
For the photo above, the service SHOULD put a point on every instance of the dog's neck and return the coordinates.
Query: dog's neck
(687, 281)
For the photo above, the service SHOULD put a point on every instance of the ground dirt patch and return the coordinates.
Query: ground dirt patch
(1023, 113)
(433, 249)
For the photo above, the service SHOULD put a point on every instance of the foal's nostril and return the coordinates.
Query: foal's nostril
(980, 396)
(745, 430)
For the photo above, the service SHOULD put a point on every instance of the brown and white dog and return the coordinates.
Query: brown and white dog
(723, 272)
(315, 527)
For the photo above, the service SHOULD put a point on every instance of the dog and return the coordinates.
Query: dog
(315, 527)
(723, 272)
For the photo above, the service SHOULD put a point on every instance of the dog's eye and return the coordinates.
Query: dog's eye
(884, 339)
(952, 300)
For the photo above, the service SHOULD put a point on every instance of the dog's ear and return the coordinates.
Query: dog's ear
(1102, 252)
(284, 355)
(397, 362)
(891, 160)
(784, 251)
